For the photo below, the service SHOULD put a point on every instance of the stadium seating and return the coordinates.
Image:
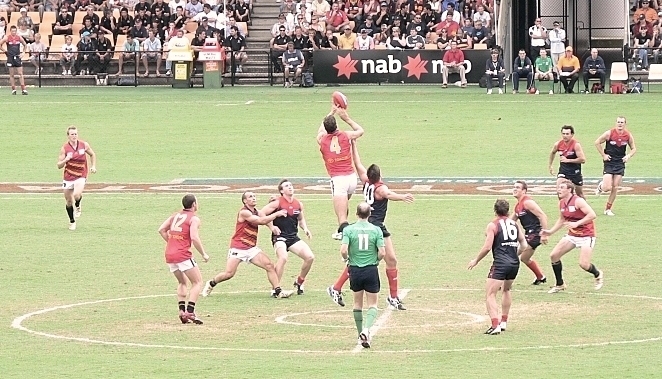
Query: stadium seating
(431, 46)
(654, 74)
(119, 45)
(619, 72)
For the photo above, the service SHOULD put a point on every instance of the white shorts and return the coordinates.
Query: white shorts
(244, 255)
(343, 185)
(580, 241)
(182, 266)
(70, 184)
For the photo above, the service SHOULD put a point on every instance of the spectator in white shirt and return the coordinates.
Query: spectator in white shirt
(152, 52)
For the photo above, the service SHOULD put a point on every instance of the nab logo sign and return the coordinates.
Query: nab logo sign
(415, 66)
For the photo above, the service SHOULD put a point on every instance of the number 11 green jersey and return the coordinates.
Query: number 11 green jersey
(363, 240)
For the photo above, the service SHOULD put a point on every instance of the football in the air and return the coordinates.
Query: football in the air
(532, 90)
(339, 100)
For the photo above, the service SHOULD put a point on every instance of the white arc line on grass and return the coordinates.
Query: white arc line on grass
(383, 319)
(249, 102)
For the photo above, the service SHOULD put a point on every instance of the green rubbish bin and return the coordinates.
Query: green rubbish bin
(213, 57)
(182, 59)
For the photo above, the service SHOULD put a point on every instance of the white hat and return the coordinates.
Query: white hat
(23, 10)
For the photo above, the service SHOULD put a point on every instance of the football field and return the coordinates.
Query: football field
(100, 302)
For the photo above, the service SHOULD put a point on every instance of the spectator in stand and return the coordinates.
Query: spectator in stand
(125, 22)
(87, 52)
(288, 7)
(204, 25)
(404, 16)
(89, 13)
(538, 34)
(108, 23)
(642, 41)
(450, 10)
(484, 16)
(656, 43)
(329, 41)
(467, 31)
(300, 21)
(414, 40)
(68, 56)
(49, 5)
(336, 18)
(568, 68)
(192, 8)
(397, 23)
(544, 71)
(142, 5)
(594, 67)
(180, 41)
(25, 20)
(313, 43)
(451, 26)
(37, 53)
(293, 60)
(178, 17)
(89, 28)
(209, 14)
(104, 51)
(171, 32)
(165, 9)
(173, 4)
(381, 37)
(429, 17)
(494, 68)
(139, 32)
(364, 41)
(129, 51)
(371, 8)
(316, 26)
(242, 12)
(319, 8)
(443, 41)
(395, 41)
(556, 42)
(152, 52)
(63, 23)
(196, 45)
(347, 39)
(354, 11)
(282, 23)
(468, 12)
(278, 46)
(232, 22)
(649, 13)
(383, 17)
(643, 24)
(27, 34)
(522, 68)
(143, 17)
(298, 38)
(417, 25)
(369, 26)
(453, 62)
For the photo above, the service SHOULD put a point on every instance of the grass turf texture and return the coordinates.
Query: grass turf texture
(140, 136)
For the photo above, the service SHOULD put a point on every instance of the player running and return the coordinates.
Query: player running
(533, 219)
(571, 158)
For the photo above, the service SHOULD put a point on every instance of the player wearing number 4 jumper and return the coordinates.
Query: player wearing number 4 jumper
(571, 158)
(243, 247)
(504, 238)
(284, 232)
(533, 219)
(73, 158)
(180, 231)
(616, 141)
(577, 216)
(335, 146)
(377, 195)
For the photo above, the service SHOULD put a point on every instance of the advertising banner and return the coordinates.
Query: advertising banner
(392, 66)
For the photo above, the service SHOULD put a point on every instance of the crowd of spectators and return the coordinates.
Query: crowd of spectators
(646, 31)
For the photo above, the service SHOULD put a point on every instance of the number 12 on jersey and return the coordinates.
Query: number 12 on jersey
(177, 221)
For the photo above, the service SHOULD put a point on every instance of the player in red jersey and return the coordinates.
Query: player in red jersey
(577, 216)
(377, 195)
(533, 219)
(243, 246)
(335, 146)
(285, 231)
(616, 140)
(504, 238)
(73, 158)
(180, 231)
(13, 52)
(571, 158)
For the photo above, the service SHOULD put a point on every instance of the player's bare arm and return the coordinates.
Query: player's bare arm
(93, 158)
(357, 131)
(385, 193)
(633, 149)
(344, 249)
(381, 253)
(269, 209)
(2, 44)
(63, 158)
(487, 245)
(163, 229)
(535, 209)
(598, 145)
(260, 219)
(302, 223)
(358, 166)
(195, 238)
(559, 223)
(321, 132)
(552, 155)
(579, 151)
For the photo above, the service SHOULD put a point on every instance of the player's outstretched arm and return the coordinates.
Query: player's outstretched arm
(554, 229)
(269, 209)
(385, 192)
(195, 238)
(260, 219)
(358, 166)
(487, 245)
(321, 131)
(357, 130)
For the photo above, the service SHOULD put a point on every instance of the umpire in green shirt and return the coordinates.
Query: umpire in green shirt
(363, 248)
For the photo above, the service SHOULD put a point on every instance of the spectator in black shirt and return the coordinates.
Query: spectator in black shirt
(241, 11)
(63, 22)
(165, 8)
(594, 67)
(147, 20)
(142, 5)
(87, 52)
(278, 46)
(104, 52)
(418, 25)
(369, 25)
(125, 22)
(88, 28)
(92, 16)
(429, 17)
(178, 18)
(108, 24)
(235, 45)
(298, 38)
(383, 17)
(138, 31)
(329, 41)
(205, 26)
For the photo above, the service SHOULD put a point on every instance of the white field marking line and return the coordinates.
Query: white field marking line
(383, 319)
(17, 323)
(323, 102)
(215, 195)
(474, 319)
(249, 102)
